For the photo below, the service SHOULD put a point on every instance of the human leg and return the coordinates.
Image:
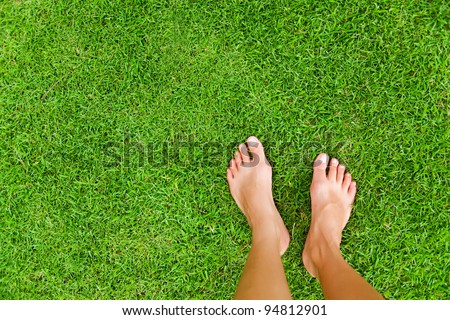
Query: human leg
(332, 196)
(250, 181)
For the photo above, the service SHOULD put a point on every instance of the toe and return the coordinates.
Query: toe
(245, 155)
(332, 172)
(347, 181)
(352, 191)
(238, 159)
(232, 166)
(230, 175)
(340, 173)
(256, 149)
(320, 167)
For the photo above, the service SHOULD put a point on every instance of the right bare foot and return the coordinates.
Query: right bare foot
(250, 181)
(332, 197)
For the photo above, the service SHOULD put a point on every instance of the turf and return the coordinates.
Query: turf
(118, 118)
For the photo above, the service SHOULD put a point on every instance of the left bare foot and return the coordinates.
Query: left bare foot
(250, 181)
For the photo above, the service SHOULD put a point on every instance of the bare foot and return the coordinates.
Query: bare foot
(250, 181)
(332, 197)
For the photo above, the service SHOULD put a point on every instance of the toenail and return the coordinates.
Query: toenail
(252, 144)
(334, 162)
(323, 158)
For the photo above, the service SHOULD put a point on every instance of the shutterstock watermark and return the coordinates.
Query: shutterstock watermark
(136, 153)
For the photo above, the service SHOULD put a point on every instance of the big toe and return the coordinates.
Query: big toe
(255, 147)
(320, 167)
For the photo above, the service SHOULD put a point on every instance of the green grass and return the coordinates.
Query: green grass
(81, 82)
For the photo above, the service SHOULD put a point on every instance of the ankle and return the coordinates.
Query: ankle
(265, 231)
(262, 208)
(264, 228)
(261, 213)
(321, 249)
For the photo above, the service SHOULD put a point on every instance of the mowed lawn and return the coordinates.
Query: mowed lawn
(118, 119)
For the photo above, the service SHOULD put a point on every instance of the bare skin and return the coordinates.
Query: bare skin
(332, 196)
(250, 182)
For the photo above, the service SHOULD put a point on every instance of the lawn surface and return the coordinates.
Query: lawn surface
(118, 118)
